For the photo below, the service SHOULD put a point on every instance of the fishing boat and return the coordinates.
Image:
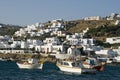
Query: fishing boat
(69, 66)
(30, 64)
(74, 67)
(94, 64)
(4, 59)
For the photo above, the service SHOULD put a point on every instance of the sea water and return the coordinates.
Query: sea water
(10, 71)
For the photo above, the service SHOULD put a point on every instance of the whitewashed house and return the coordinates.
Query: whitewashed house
(72, 39)
(49, 48)
(32, 34)
(5, 38)
(88, 45)
(117, 50)
(34, 26)
(89, 41)
(12, 51)
(41, 31)
(85, 31)
(57, 23)
(33, 43)
(113, 40)
(105, 52)
(93, 18)
(53, 40)
(15, 44)
(24, 45)
(114, 16)
(0, 26)
(51, 45)
(4, 45)
(117, 22)
(61, 33)
(20, 33)
(73, 50)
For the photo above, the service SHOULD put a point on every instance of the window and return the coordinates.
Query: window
(73, 64)
(114, 39)
(66, 63)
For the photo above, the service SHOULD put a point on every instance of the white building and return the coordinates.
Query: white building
(89, 41)
(117, 22)
(49, 48)
(34, 26)
(73, 39)
(30, 43)
(24, 44)
(73, 50)
(4, 45)
(15, 44)
(61, 33)
(113, 40)
(35, 42)
(114, 16)
(53, 40)
(0, 26)
(12, 51)
(105, 52)
(57, 23)
(93, 18)
(85, 31)
(20, 33)
(117, 50)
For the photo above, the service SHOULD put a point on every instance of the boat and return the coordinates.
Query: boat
(94, 64)
(69, 66)
(30, 64)
(74, 67)
(4, 59)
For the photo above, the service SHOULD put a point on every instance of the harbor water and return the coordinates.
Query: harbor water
(10, 71)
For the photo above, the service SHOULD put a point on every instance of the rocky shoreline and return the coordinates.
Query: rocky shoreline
(19, 57)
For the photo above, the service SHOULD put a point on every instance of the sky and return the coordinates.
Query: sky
(27, 12)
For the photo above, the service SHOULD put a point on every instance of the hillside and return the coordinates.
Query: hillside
(79, 25)
(97, 29)
(8, 29)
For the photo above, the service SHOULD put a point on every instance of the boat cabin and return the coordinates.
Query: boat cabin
(70, 63)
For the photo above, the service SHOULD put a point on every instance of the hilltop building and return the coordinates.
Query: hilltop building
(93, 18)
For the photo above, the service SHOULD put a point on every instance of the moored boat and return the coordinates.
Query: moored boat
(94, 64)
(69, 66)
(30, 64)
(74, 67)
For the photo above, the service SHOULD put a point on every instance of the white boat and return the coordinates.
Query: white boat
(30, 64)
(74, 67)
(69, 66)
(4, 59)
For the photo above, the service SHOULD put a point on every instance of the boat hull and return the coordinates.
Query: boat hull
(70, 69)
(30, 66)
(99, 68)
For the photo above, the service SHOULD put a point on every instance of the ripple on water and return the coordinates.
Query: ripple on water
(10, 71)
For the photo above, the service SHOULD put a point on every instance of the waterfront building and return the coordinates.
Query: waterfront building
(106, 52)
(113, 40)
(73, 50)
